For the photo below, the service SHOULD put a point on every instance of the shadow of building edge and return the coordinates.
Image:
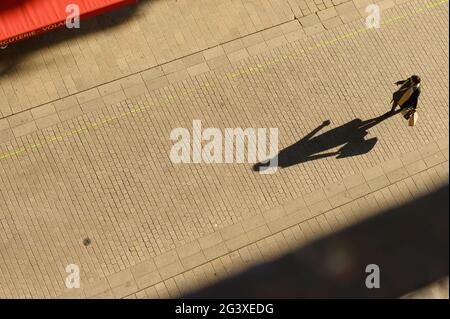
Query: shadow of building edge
(409, 244)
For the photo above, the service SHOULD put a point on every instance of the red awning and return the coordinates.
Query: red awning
(21, 19)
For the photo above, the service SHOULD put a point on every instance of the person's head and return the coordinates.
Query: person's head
(415, 79)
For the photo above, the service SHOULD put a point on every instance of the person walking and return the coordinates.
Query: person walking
(408, 95)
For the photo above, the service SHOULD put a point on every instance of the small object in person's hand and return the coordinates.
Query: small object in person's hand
(413, 119)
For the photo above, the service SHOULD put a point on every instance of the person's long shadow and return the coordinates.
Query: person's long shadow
(350, 136)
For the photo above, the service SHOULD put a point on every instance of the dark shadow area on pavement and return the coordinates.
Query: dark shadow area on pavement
(408, 245)
(351, 136)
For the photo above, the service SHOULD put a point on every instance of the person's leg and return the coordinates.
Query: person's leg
(406, 112)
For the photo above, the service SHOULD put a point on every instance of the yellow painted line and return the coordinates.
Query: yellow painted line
(19, 151)
(354, 33)
(233, 75)
(79, 130)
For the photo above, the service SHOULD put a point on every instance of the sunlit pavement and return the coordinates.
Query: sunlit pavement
(157, 229)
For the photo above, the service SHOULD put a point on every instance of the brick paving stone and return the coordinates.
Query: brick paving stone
(253, 222)
(219, 62)
(348, 12)
(309, 21)
(434, 159)
(149, 279)
(378, 183)
(162, 291)
(125, 289)
(385, 4)
(47, 121)
(334, 188)
(213, 53)
(362, 3)
(332, 22)
(314, 197)
(92, 290)
(166, 258)
(257, 48)
(170, 270)
(398, 174)
(188, 249)
(143, 268)
(193, 261)
(359, 191)
(246, 256)
(295, 35)
(20, 119)
(353, 180)
(446, 154)
(43, 111)
(416, 167)
(317, 28)
(320, 207)
(233, 46)
(327, 14)
(340, 199)
(372, 172)
(443, 143)
(258, 233)
(274, 213)
(172, 288)
(237, 242)
(105, 295)
(392, 165)
(151, 293)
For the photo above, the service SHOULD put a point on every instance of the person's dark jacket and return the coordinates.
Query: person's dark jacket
(413, 99)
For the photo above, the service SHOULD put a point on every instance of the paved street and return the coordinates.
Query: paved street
(91, 160)
(126, 41)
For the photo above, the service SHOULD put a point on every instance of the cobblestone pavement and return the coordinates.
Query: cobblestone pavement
(111, 47)
(273, 233)
(106, 174)
(123, 42)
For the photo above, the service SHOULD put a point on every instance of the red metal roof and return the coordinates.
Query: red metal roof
(21, 19)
